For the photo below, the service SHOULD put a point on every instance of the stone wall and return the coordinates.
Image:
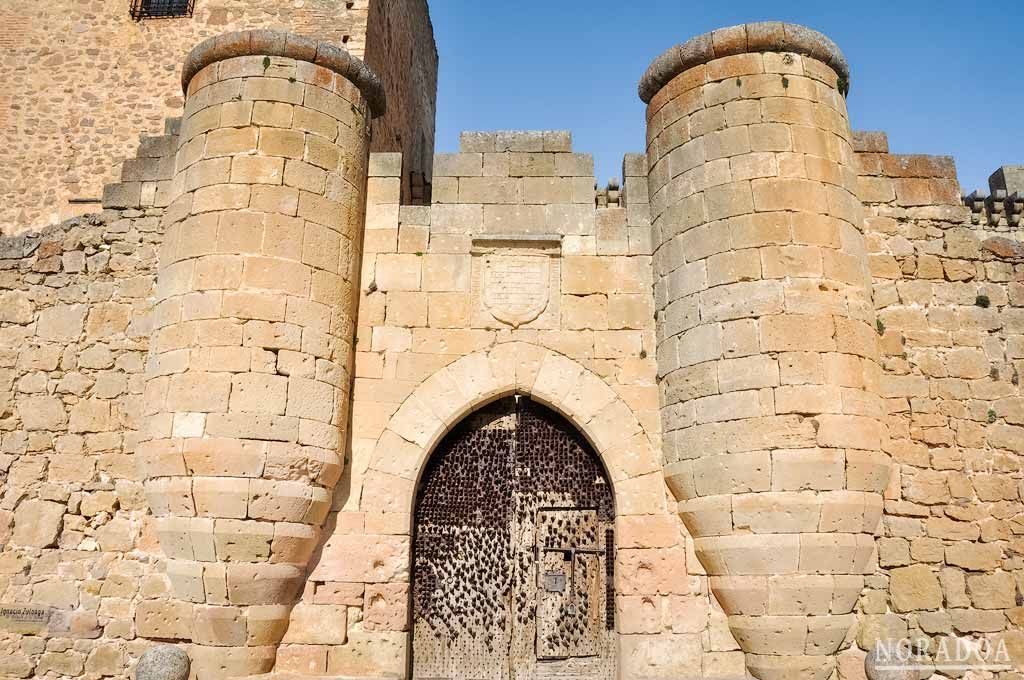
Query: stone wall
(950, 301)
(72, 109)
(77, 538)
(401, 51)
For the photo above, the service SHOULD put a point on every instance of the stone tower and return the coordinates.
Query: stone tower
(248, 380)
(767, 348)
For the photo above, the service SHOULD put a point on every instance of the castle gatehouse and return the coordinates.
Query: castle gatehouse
(298, 396)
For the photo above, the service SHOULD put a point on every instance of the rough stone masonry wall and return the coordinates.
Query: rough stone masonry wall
(72, 109)
(77, 537)
(950, 301)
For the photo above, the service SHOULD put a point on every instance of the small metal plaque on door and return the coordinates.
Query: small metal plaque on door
(554, 582)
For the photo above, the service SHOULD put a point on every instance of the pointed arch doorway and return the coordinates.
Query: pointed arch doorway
(513, 551)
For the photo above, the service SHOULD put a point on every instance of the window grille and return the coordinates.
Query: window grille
(154, 9)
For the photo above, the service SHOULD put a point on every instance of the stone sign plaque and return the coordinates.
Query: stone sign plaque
(24, 619)
(516, 282)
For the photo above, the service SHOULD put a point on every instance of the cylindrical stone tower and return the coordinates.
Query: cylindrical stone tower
(249, 369)
(767, 346)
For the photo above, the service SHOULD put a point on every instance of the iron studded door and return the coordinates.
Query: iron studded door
(570, 593)
(462, 582)
(512, 552)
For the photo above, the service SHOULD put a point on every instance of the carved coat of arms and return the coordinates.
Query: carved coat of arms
(514, 288)
(516, 281)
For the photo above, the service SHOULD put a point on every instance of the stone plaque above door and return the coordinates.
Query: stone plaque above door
(516, 281)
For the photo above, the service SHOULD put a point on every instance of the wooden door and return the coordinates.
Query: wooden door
(570, 584)
(462, 582)
(513, 552)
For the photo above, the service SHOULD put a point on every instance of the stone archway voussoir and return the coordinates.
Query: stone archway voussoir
(554, 380)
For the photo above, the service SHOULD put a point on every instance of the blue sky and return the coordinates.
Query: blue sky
(939, 77)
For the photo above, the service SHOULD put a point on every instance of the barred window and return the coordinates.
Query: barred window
(151, 9)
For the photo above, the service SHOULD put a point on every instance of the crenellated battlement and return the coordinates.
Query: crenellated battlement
(1000, 208)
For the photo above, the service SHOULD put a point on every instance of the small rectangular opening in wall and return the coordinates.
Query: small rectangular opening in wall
(155, 9)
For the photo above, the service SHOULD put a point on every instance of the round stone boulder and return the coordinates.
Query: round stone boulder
(163, 662)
